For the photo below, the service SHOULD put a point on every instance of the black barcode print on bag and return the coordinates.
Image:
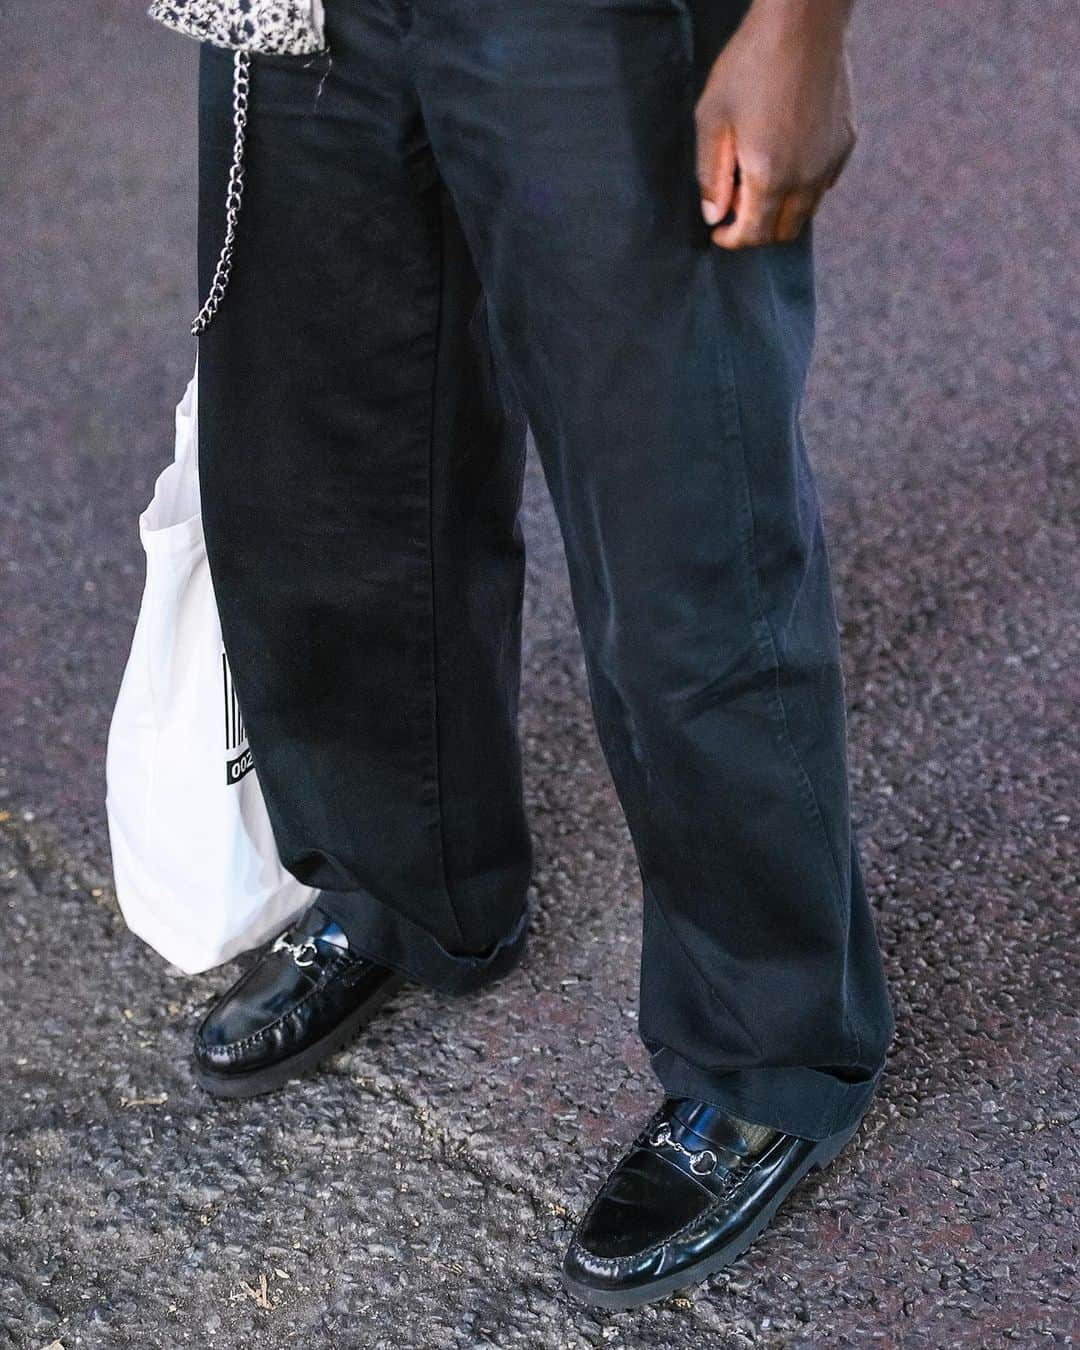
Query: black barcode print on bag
(237, 755)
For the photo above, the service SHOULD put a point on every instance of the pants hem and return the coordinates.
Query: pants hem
(800, 1101)
(388, 938)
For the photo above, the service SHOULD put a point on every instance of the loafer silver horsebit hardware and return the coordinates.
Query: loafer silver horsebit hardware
(299, 950)
(702, 1161)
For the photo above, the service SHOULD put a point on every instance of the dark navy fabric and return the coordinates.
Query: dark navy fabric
(473, 214)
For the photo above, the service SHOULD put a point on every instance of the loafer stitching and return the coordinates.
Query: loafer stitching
(646, 1131)
(617, 1263)
(230, 1048)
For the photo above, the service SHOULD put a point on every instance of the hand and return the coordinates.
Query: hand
(775, 121)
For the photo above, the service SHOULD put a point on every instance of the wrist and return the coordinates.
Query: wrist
(804, 15)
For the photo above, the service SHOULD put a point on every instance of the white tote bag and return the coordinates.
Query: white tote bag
(197, 872)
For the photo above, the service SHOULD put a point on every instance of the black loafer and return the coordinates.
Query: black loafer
(694, 1191)
(297, 1005)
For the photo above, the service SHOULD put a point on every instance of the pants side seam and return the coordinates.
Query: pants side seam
(767, 645)
(692, 961)
(434, 647)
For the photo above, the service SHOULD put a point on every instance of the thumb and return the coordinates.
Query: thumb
(716, 174)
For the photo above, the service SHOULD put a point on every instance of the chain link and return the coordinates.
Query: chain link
(303, 953)
(234, 195)
(702, 1161)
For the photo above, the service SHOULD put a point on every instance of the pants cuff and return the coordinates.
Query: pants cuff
(805, 1102)
(382, 935)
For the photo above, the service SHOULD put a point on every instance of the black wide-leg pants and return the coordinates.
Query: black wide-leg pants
(472, 214)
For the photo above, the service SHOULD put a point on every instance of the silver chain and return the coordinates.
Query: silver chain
(702, 1161)
(234, 195)
(303, 953)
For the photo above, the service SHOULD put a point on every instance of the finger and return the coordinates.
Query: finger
(716, 176)
(756, 207)
(796, 210)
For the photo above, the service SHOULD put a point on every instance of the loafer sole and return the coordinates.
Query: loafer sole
(724, 1256)
(252, 1082)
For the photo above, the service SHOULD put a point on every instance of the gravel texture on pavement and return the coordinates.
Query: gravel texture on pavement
(418, 1192)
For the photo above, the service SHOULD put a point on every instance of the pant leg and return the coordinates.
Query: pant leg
(662, 379)
(361, 473)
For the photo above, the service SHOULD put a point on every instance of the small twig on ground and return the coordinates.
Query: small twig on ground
(260, 1297)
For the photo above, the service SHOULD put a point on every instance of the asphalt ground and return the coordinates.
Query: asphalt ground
(419, 1191)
